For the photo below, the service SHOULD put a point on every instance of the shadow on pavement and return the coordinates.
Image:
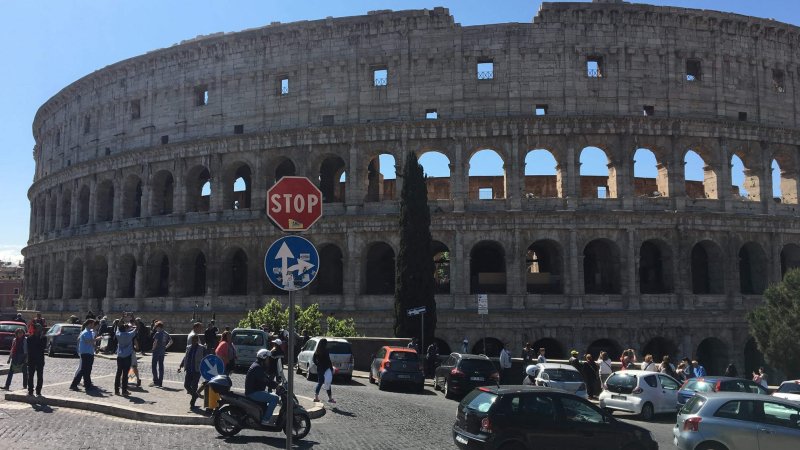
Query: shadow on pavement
(41, 408)
(276, 442)
(340, 412)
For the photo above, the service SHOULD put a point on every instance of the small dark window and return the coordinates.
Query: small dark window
(201, 96)
(594, 67)
(327, 120)
(541, 110)
(108, 151)
(283, 87)
(16, 291)
(486, 69)
(778, 81)
(136, 109)
(165, 139)
(649, 110)
(693, 70)
(431, 114)
(87, 125)
(742, 116)
(380, 77)
(238, 129)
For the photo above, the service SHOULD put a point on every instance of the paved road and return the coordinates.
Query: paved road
(363, 418)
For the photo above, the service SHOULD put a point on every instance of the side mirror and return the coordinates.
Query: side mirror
(544, 376)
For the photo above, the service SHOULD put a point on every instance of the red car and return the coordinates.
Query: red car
(7, 330)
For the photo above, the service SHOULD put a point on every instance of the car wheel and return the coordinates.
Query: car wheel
(435, 383)
(371, 379)
(298, 371)
(50, 351)
(446, 389)
(608, 411)
(711, 446)
(647, 412)
(381, 385)
(347, 379)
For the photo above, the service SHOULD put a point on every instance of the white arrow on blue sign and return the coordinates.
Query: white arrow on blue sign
(211, 366)
(291, 263)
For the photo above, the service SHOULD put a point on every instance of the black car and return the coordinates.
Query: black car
(462, 372)
(528, 417)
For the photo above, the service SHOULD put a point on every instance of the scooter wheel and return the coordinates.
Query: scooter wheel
(224, 418)
(301, 428)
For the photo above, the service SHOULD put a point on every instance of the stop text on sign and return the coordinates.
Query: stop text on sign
(294, 203)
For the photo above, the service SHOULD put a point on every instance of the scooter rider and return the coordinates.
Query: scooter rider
(256, 383)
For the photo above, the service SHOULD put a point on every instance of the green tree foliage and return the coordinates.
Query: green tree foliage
(774, 324)
(277, 318)
(341, 328)
(270, 314)
(415, 270)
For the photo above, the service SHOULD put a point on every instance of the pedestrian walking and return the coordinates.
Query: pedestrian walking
(731, 371)
(161, 342)
(465, 345)
(142, 338)
(574, 361)
(541, 359)
(431, 355)
(37, 342)
(322, 361)
(211, 337)
(682, 372)
(17, 358)
(604, 367)
(760, 377)
(134, 370)
(527, 356)
(505, 365)
(227, 352)
(87, 342)
(191, 361)
(197, 329)
(125, 336)
(648, 365)
(590, 372)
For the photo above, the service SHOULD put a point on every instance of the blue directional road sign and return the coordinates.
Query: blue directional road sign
(291, 263)
(211, 366)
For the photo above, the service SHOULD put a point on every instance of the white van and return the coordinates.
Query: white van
(248, 341)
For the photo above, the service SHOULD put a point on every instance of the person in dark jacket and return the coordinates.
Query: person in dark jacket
(322, 361)
(37, 343)
(257, 381)
(191, 360)
(590, 371)
(17, 358)
(211, 338)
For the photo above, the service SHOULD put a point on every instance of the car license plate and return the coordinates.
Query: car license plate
(461, 439)
(619, 397)
(476, 378)
(404, 377)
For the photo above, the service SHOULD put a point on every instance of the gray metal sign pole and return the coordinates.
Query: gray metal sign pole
(290, 366)
(422, 337)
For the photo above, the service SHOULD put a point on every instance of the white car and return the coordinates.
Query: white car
(248, 341)
(790, 390)
(559, 376)
(341, 356)
(640, 392)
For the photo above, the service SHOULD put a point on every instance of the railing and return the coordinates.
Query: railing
(486, 75)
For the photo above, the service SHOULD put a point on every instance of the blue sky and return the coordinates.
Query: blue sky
(47, 45)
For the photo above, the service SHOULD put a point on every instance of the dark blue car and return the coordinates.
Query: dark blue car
(717, 384)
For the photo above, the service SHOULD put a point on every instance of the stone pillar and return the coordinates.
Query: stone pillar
(356, 181)
(217, 184)
(723, 179)
(179, 188)
(459, 270)
(352, 277)
(86, 288)
(574, 285)
(676, 173)
(73, 214)
(258, 194)
(459, 178)
(515, 182)
(764, 174)
(774, 259)
(572, 182)
(119, 186)
(92, 201)
(630, 270)
(112, 278)
(515, 266)
(140, 279)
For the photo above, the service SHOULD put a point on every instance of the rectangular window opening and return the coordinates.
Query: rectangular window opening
(136, 109)
(201, 96)
(380, 77)
(485, 193)
(327, 120)
(594, 67)
(649, 110)
(602, 192)
(284, 86)
(108, 151)
(541, 110)
(486, 69)
(742, 116)
(431, 114)
(693, 70)
(238, 129)
(778, 81)
(165, 139)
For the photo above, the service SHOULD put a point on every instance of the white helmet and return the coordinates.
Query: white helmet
(531, 370)
(263, 354)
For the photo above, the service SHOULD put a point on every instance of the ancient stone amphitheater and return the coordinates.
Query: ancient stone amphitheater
(151, 174)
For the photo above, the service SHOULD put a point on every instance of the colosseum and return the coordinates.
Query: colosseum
(151, 174)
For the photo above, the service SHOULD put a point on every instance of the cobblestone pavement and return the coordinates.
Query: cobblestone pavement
(363, 418)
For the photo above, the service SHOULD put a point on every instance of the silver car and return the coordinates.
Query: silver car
(737, 421)
(341, 356)
(558, 376)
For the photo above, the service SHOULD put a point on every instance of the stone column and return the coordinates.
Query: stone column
(572, 182)
(73, 214)
(356, 181)
(112, 278)
(66, 283)
(459, 270)
(630, 269)
(515, 182)
(774, 257)
(140, 279)
(515, 266)
(258, 194)
(459, 178)
(723, 180)
(119, 186)
(86, 288)
(92, 201)
(765, 180)
(179, 188)
(574, 285)
(676, 188)
(352, 277)
(217, 184)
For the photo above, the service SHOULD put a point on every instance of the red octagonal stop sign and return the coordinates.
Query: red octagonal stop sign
(294, 203)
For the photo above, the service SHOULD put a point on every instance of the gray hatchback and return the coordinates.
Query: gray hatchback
(63, 338)
(737, 421)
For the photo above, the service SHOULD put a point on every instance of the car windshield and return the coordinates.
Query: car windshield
(70, 330)
(789, 388)
(478, 400)
(403, 356)
(567, 375)
(699, 386)
(622, 380)
(248, 338)
(476, 365)
(10, 327)
(339, 348)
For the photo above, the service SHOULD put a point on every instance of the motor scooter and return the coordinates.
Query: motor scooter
(236, 412)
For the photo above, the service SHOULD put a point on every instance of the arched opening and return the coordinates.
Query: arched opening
(105, 201)
(238, 187)
(330, 175)
(99, 276)
(660, 347)
(198, 189)
(162, 197)
(609, 346)
(132, 197)
(784, 177)
(752, 269)
(76, 279)
(58, 280)
(437, 174)
(707, 268)
(487, 176)
(601, 267)
(233, 276)
(83, 205)
(738, 189)
(777, 189)
(650, 179)
(790, 258)
(542, 175)
(158, 275)
(330, 277)
(487, 268)
(444, 347)
(381, 178)
(701, 179)
(194, 269)
(712, 354)
(655, 268)
(380, 266)
(544, 268)
(441, 267)
(552, 348)
(66, 208)
(492, 348)
(127, 277)
(598, 179)
(285, 168)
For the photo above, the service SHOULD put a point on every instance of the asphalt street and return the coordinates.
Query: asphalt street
(362, 418)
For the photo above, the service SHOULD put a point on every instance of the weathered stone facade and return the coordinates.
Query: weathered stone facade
(120, 219)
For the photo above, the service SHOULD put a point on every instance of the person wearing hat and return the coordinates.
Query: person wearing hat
(37, 343)
(274, 363)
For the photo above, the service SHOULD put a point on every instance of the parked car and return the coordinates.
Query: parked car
(528, 417)
(558, 376)
(248, 342)
(7, 330)
(397, 365)
(717, 384)
(790, 390)
(461, 372)
(341, 356)
(640, 392)
(63, 338)
(737, 421)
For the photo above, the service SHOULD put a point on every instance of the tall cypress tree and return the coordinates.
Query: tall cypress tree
(415, 283)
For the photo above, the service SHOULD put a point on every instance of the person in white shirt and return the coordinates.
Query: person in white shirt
(605, 369)
(648, 364)
(197, 329)
(541, 359)
(505, 365)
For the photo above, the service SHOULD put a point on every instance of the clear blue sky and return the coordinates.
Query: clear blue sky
(47, 45)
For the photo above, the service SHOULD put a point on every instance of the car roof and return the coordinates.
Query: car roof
(331, 339)
(714, 379)
(727, 395)
(634, 372)
(400, 349)
(556, 366)
(248, 329)
(67, 325)
(470, 356)
(13, 322)
(511, 389)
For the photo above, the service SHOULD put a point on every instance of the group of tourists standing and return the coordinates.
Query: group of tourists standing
(27, 357)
